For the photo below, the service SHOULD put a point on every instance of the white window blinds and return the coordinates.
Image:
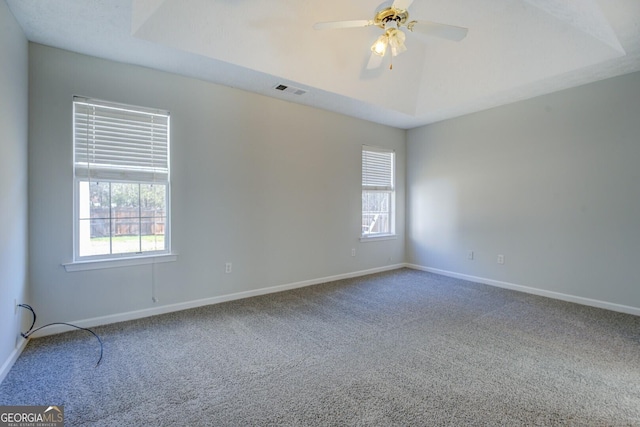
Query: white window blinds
(377, 168)
(119, 142)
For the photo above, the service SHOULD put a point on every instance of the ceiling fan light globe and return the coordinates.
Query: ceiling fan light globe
(395, 51)
(380, 45)
(396, 41)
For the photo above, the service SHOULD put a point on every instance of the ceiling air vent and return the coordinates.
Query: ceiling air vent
(290, 89)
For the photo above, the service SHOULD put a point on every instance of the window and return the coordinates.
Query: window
(121, 180)
(378, 192)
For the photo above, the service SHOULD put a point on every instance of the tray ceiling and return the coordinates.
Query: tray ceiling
(515, 49)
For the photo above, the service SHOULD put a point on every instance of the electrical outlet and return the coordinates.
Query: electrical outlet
(500, 259)
(227, 267)
(470, 255)
(15, 307)
(353, 251)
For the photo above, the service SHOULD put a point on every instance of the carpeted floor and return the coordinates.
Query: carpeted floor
(397, 348)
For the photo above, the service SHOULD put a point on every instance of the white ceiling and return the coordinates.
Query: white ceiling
(515, 49)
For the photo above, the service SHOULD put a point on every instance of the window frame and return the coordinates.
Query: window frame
(390, 189)
(88, 262)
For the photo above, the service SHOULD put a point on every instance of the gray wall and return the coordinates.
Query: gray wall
(271, 186)
(13, 179)
(552, 183)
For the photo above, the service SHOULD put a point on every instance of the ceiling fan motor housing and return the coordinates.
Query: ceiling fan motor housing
(388, 14)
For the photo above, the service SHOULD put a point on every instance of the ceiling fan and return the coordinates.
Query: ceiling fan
(391, 17)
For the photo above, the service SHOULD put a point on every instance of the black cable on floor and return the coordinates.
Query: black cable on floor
(28, 307)
(32, 331)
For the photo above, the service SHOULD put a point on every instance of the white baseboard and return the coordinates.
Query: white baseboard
(138, 314)
(8, 364)
(132, 315)
(535, 291)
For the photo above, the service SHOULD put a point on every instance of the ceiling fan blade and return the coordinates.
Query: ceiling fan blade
(401, 4)
(375, 61)
(342, 24)
(449, 32)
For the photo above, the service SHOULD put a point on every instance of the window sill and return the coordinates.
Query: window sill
(379, 238)
(120, 262)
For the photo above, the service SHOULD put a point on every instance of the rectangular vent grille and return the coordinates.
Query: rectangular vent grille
(290, 89)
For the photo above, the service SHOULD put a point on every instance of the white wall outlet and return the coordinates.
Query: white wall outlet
(470, 255)
(500, 259)
(227, 267)
(15, 307)
(353, 251)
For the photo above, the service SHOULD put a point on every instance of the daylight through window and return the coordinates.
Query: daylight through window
(121, 169)
(378, 192)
